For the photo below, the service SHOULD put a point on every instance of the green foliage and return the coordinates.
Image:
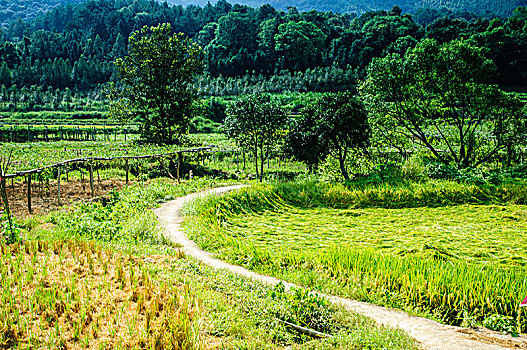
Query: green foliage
(334, 125)
(439, 96)
(156, 83)
(301, 45)
(256, 124)
(9, 229)
(505, 324)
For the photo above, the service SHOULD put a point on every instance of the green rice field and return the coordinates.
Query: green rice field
(474, 233)
(460, 260)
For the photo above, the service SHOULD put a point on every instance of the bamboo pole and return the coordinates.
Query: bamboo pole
(58, 186)
(29, 193)
(91, 179)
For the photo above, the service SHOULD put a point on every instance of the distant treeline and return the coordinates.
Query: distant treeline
(24, 10)
(247, 49)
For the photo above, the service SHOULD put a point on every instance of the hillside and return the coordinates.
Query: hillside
(11, 10)
(500, 7)
(26, 9)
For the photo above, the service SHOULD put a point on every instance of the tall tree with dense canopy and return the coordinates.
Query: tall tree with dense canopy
(439, 96)
(156, 83)
(256, 122)
(336, 125)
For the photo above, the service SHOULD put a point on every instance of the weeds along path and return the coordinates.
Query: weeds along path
(431, 334)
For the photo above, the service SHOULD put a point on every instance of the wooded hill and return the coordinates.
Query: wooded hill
(24, 10)
(74, 46)
(11, 10)
(502, 8)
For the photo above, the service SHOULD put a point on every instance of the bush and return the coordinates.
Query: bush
(504, 324)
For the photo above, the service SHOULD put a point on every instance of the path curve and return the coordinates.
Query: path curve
(431, 334)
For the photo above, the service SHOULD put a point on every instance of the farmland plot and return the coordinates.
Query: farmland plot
(459, 263)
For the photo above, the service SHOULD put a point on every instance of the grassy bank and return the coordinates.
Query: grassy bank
(448, 250)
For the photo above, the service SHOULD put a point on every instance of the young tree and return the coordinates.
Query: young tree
(335, 125)
(439, 96)
(155, 84)
(256, 122)
(304, 142)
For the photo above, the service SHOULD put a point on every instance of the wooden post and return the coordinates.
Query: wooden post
(29, 193)
(58, 185)
(91, 178)
(178, 165)
(126, 163)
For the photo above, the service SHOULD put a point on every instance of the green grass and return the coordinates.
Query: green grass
(451, 251)
(140, 291)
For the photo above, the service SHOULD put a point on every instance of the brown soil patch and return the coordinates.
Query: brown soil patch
(44, 196)
(68, 295)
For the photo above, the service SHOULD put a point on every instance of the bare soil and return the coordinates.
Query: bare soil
(44, 195)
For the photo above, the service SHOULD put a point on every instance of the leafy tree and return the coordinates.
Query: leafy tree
(335, 125)
(438, 95)
(156, 83)
(256, 122)
(301, 44)
(304, 142)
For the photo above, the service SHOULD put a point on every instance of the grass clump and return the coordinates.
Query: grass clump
(389, 245)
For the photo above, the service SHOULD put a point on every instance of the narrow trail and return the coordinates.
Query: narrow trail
(431, 334)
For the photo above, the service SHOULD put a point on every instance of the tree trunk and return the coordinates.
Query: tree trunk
(262, 161)
(343, 168)
(255, 154)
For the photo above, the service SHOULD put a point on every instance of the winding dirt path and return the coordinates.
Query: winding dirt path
(431, 334)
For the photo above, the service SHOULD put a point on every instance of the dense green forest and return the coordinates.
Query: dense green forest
(11, 10)
(247, 49)
(25, 9)
(499, 7)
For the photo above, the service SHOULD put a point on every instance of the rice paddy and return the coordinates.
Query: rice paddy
(460, 261)
(474, 233)
(68, 294)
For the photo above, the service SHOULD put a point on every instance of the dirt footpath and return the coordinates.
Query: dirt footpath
(431, 334)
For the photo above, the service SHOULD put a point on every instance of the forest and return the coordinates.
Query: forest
(74, 46)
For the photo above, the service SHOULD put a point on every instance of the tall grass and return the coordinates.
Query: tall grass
(449, 287)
